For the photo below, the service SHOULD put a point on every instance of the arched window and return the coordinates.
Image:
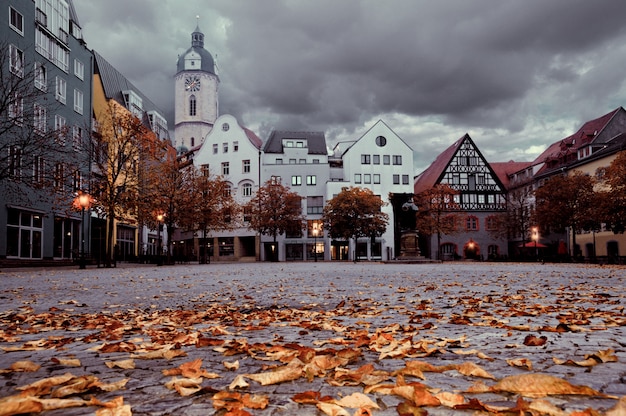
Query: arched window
(246, 189)
(192, 105)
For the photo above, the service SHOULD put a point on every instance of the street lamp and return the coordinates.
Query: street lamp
(159, 249)
(315, 230)
(535, 237)
(84, 201)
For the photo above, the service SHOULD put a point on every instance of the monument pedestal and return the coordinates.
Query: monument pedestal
(409, 247)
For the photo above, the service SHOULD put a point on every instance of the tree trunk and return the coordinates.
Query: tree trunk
(109, 237)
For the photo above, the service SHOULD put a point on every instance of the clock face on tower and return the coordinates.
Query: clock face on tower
(192, 83)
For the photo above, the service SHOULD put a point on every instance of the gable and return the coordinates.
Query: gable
(464, 168)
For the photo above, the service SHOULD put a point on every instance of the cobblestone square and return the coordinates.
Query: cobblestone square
(460, 330)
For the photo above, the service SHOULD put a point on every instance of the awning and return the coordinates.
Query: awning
(532, 245)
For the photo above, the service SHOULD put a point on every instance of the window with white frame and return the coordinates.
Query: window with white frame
(215, 149)
(376, 159)
(365, 159)
(246, 166)
(40, 118)
(59, 129)
(225, 147)
(225, 168)
(58, 175)
(357, 178)
(397, 159)
(367, 178)
(16, 21)
(79, 69)
(15, 162)
(77, 138)
(246, 189)
(296, 180)
(76, 181)
(16, 61)
(16, 109)
(311, 180)
(61, 90)
(386, 160)
(405, 179)
(235, 146)
(41, 77)
(39, 170)
(78, 101)
(377, 178)
(396, 179)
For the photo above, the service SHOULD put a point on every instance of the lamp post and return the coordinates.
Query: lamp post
(535, 237)
(315, 241)
(84, 202)
(159, 249)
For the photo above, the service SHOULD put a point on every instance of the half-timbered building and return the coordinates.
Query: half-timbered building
(481, 199)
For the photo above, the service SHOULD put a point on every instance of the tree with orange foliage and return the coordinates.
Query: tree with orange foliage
(613, 195)
(118, 144)
(275, 210)
(354, 213)
(566, 201)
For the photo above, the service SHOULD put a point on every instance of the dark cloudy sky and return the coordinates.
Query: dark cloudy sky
(516, 75)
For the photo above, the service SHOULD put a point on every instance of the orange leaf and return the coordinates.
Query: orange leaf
(541, 385)
(471, 369)
(256, 401)
(287, 373)
(307, 397)
(357, 400)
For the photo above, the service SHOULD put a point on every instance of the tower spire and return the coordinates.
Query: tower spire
(197, 37)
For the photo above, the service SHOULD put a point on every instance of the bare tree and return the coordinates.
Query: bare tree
(31, 153)
(438, 212)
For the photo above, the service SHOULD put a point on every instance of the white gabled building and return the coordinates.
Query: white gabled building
(381, 161)
(233, 152)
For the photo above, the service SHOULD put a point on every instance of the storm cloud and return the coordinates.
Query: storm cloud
(515, 75)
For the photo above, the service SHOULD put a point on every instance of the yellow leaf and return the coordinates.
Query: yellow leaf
(471, 369)
(128, 364)
(541, 385)
(239, 382)
(69, 362)
(450, 399)
(234, 366)
(520, 362)
(332, 409)
(25, 366)
(357, 400)
(287, 373)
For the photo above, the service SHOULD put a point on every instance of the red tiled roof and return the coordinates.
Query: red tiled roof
(254, 139)
(504, 169)
(429, 177)
(583, 136)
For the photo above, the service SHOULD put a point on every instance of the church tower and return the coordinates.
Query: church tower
(195, 96)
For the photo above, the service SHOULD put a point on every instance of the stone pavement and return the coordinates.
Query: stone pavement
(505, 319)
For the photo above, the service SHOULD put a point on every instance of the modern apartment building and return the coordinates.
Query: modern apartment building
(46, 78)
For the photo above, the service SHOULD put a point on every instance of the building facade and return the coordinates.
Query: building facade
(111, 89)
(298, 160)
(480, 199)
(47, 73)
(232, 152)
(380, 161)
(590, 149)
